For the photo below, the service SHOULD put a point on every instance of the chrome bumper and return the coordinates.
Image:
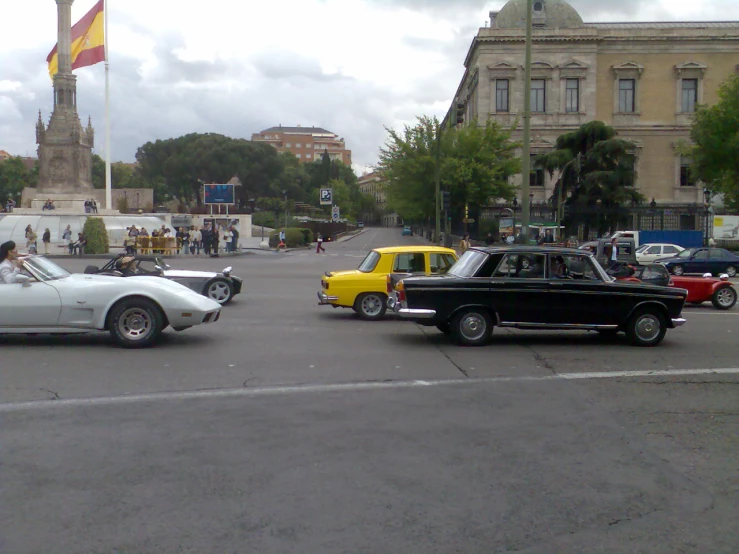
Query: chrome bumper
(678, 321)
(413, 313)
(391, 303)
(324, 299)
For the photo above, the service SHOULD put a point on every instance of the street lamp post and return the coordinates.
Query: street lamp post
(526, 162)
(709, 213)
(285, 193)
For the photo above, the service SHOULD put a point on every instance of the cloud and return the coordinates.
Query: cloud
(350, 66)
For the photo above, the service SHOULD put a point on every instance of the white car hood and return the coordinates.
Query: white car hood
(189, 273)
(151, 282)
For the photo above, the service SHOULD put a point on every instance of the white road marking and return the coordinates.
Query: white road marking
(338, 387)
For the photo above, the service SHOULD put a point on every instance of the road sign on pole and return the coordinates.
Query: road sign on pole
(326, 197)
(335, 213)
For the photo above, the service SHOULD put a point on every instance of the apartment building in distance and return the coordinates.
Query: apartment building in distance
(644, 79)
(307, 143)
(374, 184)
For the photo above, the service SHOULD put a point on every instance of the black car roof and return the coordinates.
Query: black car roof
(532, 249)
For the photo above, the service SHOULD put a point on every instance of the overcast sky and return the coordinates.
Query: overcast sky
(239, 66)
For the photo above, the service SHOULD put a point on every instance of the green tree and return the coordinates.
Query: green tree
(715, 137)
(96, 236)
(98, 172)
(476, 163)
(596, 175)
(14, 177)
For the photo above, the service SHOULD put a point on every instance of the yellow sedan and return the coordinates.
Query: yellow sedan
(365, 289)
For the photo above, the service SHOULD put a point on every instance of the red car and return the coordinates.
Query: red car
(720, 292)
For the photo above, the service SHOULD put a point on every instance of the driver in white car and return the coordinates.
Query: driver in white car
(10, 263)
(127, 266)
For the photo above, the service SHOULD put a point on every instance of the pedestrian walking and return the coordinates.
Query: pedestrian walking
(319, 244)
(46, 239)
(464, 244)
(282, 240)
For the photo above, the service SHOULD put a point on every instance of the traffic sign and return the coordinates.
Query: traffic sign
(468, 220)
(326, 197)
(335, 213)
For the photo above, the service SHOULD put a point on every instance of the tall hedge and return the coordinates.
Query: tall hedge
(96, 235)
(294, 237)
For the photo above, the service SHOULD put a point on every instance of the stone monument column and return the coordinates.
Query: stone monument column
(64, 34)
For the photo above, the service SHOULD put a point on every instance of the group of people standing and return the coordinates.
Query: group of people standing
(192, 240)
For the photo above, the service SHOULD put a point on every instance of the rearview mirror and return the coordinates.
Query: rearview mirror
(24, 280)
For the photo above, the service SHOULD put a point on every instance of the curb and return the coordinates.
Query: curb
(347, 239)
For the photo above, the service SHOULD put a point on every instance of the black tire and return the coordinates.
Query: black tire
(135, 323)
(678, 270)
(724, 298)
(472, 327)
(371, 306)
(731, 271)
(445, 328)
(219, 289)
(647, 327)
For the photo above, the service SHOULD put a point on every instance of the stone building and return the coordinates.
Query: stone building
(644, 79)
(373, 184)
(307, 143)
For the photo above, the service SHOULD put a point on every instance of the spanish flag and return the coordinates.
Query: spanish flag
(88, 41)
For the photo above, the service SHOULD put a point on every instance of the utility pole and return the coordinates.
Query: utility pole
(437, 178)
(526, 165)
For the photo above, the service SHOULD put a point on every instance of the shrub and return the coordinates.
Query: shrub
(96, 235)
(266, 219)
(123, 205)
(294, 237)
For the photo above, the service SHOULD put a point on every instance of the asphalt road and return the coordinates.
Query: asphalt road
(292, 427)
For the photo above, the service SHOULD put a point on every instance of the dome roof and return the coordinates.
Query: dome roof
(549, 13)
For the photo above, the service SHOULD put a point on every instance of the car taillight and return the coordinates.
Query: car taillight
(389, 287)
(400, 288)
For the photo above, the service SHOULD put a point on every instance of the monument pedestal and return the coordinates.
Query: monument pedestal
(33, 201)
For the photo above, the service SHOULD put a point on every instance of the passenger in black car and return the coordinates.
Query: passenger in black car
(559, 268)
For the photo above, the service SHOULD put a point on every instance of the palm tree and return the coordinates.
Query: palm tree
(596, 176)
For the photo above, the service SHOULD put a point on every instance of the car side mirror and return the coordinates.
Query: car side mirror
(226, 272)
(24, 280)
(724, 276)
(707, 275)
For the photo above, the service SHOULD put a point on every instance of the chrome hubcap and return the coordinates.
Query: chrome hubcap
(731, 271)
(473, 326)
(219, 292)
(135, 324)
(725, 297)
(371, 305)
(647, 327)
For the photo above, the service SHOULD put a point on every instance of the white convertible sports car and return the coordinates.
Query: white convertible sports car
(135, 311)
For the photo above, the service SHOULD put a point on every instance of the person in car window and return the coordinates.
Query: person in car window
(10, 263)
(559, 268)
(127, 266)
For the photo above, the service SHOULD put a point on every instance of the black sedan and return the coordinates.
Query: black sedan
(221, 287)
(702, 260)
(536, 288)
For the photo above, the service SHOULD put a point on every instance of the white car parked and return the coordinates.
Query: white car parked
(135, 311)
(649, 253)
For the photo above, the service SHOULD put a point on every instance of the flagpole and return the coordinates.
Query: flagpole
(108, 187)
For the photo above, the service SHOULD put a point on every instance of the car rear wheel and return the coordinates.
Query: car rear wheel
(472, 327)
(220, 290)
(724, 298)
(646, 327)
(371, 305)
(731, 271)
(677, 270)
(136, 323)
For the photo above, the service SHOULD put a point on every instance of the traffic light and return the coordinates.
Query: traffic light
(460, 113)
(446, 200)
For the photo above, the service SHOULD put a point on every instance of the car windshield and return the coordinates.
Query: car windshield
(686, 253)
(44, 269)
(370, 262)
(468, 264)
(642, 248)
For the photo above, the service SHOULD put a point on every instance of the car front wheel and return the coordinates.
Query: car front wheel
(472, 327)
(371, 305)
(647, 327)
(731, 271)
(136, 323)
(724, 298)
(220, 290)
(677, 270)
